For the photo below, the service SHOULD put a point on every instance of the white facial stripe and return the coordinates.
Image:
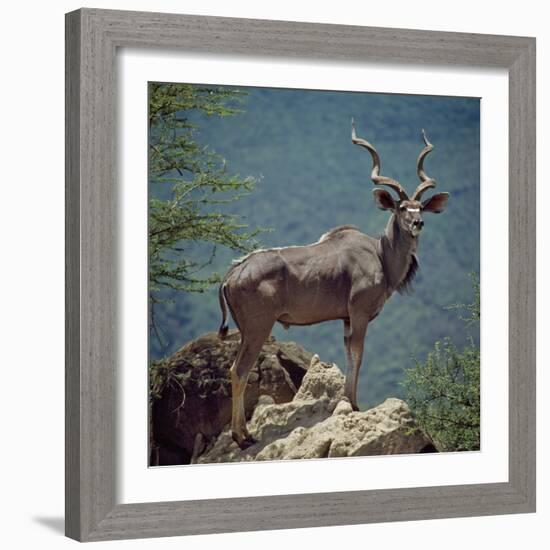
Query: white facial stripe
(413, 209)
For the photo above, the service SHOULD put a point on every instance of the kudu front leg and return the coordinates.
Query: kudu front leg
(354, 340)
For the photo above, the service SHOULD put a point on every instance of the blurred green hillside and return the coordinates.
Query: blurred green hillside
(311, 178)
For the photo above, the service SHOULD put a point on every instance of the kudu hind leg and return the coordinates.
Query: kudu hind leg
(247, 356)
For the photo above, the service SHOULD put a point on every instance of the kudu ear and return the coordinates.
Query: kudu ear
(436, 204)
(383, 199)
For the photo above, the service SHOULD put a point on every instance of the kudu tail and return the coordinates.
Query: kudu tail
(224, 328)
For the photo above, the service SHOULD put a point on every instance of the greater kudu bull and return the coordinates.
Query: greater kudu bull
(345, 275)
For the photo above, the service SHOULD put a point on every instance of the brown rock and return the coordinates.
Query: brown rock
(195, 403)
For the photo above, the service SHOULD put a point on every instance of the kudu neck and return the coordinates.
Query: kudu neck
(398, 252)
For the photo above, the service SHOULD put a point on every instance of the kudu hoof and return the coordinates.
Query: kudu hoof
(243, 443)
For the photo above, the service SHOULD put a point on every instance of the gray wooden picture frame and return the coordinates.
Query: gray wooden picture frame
(92, 39)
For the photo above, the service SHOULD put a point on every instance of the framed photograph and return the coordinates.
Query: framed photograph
(300, 282)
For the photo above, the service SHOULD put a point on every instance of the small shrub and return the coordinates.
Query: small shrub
(444, 391)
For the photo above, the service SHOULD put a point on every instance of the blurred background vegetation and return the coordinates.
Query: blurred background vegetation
(291, 166)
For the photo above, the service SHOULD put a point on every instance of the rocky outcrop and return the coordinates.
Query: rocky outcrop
(319, 422)
(195, 398)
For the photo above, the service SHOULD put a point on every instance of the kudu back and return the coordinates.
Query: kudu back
(345, 275)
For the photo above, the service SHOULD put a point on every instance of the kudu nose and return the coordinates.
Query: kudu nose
(418, 223)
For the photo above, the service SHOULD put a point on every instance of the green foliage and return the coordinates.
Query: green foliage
(189, 190)
(443, 392)
(474, 309)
